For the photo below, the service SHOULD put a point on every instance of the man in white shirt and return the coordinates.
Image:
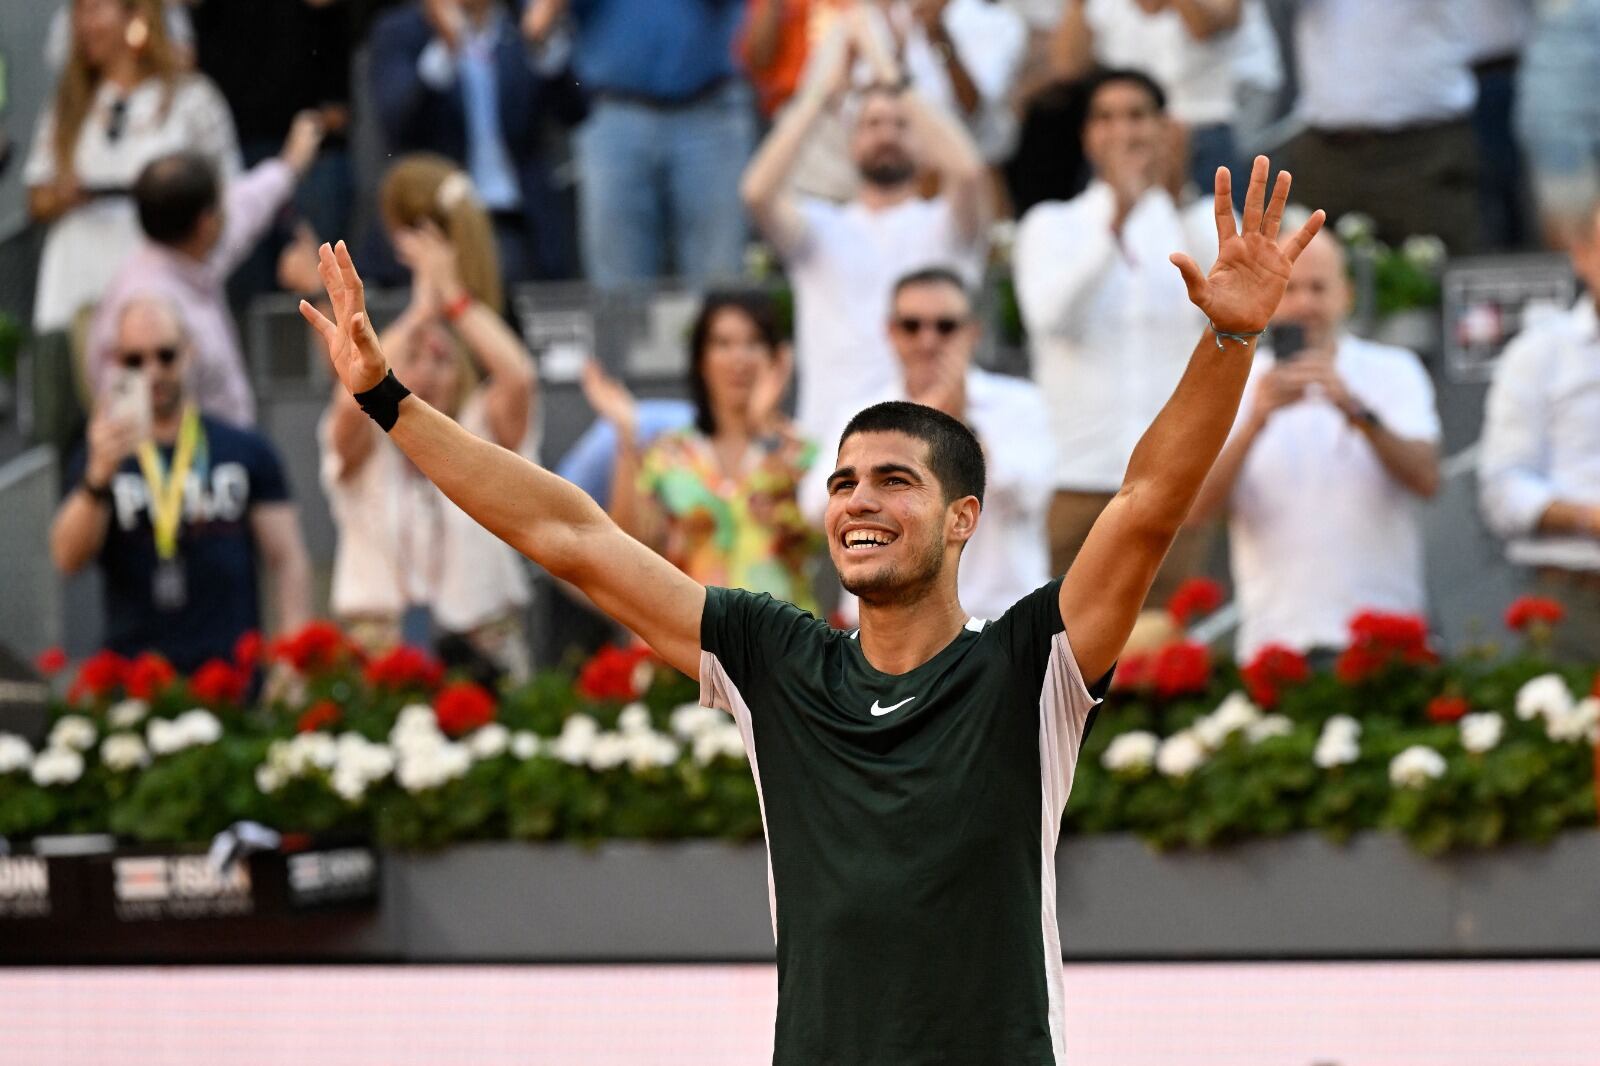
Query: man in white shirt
(934, 333)
(1106, 314)
(1539, 467)
(1387, 93)
(1334, 446)
(843, 259)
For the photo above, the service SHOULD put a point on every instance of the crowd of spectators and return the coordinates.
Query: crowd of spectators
(194, 152)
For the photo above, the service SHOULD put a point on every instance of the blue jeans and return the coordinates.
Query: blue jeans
(1557, 108)
(660, 188)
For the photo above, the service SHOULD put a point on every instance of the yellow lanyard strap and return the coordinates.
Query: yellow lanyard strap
(166, 487)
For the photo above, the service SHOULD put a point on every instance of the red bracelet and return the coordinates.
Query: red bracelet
(457, 307)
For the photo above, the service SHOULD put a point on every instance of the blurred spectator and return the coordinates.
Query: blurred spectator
(934, 332)
(1110, 322)
(178, 509)
(670, 126)
(843, 259)
(1335, 443)
(718, 499)
(1497, 30)
(457, 77)
(123, 100)
(590, 463)
(180, 34)
(1387, 93)
(421, 190)
(1187, 46)
(1539, 470)
(410, 566)
(775, 43)
(1558, 115)
(196, 235)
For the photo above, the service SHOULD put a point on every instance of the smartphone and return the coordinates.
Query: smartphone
(1286, 339)
(127, 399)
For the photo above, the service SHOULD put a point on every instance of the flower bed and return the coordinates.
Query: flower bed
(1186, 752)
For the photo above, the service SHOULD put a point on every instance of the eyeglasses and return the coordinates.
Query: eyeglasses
(135, 360)
(912, 326)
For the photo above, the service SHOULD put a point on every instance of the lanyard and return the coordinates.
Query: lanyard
(166, 486)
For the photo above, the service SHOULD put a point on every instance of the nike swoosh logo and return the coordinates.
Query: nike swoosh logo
(876, 710)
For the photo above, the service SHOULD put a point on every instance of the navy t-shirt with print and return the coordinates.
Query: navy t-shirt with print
(234, 471)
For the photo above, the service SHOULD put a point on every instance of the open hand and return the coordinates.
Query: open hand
(770, 386)
(352, 344)
(1252, 270)
(611, 400)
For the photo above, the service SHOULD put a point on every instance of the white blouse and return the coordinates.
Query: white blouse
(85, 246)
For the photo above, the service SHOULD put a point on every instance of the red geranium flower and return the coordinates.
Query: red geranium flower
(1378, 640)
(1133, 671)
(219, 682)
(1528, 610)
(1595, 691)
(463, 707)
(247, 649)
(98, 676)
(405, 667)
(1447, 708)
(147, 676)
(317, 646)
(1195, 597)
(319, 715)
(50, 662)
(610, 675)
(1274, 666)
(1180, 669)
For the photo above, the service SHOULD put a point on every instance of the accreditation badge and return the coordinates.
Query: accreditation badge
(169, 589)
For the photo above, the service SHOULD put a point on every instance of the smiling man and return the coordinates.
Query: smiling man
(913, 775)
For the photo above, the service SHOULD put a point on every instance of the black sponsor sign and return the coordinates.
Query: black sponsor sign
(333, 876)
(24, 887)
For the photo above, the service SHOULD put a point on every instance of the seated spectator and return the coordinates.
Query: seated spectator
(1387, 93)
(1109, 321)
(718, 499)
(123, 100)
(178, 508)
(591, 462)
(670, 125)
(410, 566)
(1334, 445)
(1558, 116)
(457, 78)
(934, 332)
(1539, 468)
(195, 236)
(843, 259)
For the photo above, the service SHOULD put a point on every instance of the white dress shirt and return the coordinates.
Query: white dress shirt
(1198, 75)
(1318, 529)
(1008, 555)
(1109, 322)
(1541, 437)
(1383, 64)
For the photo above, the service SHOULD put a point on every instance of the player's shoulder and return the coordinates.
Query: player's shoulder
(736, 622)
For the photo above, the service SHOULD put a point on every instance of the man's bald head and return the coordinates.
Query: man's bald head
(1319, 296)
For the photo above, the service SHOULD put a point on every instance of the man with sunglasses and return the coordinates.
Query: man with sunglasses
(177, 507)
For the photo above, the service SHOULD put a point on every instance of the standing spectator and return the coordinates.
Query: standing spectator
(1387, 92)
(1558, 115)
(1333, 448)
(1497, 32)
(843, 259)
(181, 512)
(1107, 315)
(410, 566)
(775, 44)
(934, 332)
(457, 78)
(423, 190)
(1539, 469)
(195, 236)
(122, 101)
(719, 499)
(670, 126)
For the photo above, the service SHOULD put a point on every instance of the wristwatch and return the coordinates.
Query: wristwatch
(98, 493)
(1363, 415)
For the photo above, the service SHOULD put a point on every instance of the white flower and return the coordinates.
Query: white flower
(189, 729)
(268, 778)
(127, 714)
(415, 718)
(1424, 250)
(489, 742)
(1415, 767)
(57, 766)
(690, 720)
(1341, 725)
(164, 737)
(1580, 723)
(1233, 714)
(1181, 754)
(643, 675)
(124, 751)
(1272, 725)
(1546, 696)
(1481, 732)
(313, 750)
(635, 718)
(15, 753)
(577, 737)
(1354, 227)
(72, 731)
(1338, 744)
(426, 768)
(723, 741)
(524, 745)
(648, 749)
(355, 754)
(1132, 752)
(609, 751)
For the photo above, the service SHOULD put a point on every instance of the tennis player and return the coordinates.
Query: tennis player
(912, 774)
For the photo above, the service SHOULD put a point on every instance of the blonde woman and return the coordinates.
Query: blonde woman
(410, 566)
(124, 99)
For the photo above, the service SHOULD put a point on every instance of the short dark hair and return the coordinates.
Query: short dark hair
(934, 275)
(1112, 75)
(172, 192)
(954, 454)
(755, 306)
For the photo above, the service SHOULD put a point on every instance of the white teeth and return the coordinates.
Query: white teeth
(866, 538)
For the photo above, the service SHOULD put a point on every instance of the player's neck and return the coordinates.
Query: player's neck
(899, 637)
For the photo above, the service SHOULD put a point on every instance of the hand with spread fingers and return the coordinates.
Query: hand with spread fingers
(1252, 269)
(350, 339)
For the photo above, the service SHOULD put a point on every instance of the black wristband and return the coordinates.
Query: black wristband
(98, 493)
(382, 401)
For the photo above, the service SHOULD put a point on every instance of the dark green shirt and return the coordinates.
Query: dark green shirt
(911, 826)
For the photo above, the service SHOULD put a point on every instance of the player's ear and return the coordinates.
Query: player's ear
(964, 517)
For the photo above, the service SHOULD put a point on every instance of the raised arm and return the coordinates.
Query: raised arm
(1107, 584)
(549, 520)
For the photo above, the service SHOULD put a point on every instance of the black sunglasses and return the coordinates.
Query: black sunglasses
(913, 326)
(134, 360)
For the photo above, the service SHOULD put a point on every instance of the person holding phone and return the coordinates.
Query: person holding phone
(1336, 441)
(179, 509)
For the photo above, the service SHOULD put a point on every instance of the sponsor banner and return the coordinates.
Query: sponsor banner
(339, 875)
(155, 887)
(24, 887)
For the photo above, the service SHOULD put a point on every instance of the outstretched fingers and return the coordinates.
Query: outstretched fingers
(328, 271)
(1276, 206)
(1223, 206)
(1193, 279)
(319, 322)
(1297, 244)
(1255, 197)
(356, 292)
